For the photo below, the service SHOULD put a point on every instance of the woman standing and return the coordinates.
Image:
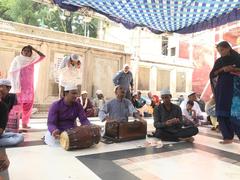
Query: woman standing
(70, 73)
(21, 74)
(225, 82)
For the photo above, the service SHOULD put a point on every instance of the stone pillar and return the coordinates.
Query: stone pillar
(135, 65)
(189, 80)
(153, 78)
(43, 80)
(87, 72)
(173, 82)
(100, 32)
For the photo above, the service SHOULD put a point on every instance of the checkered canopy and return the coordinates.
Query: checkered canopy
(182, 16)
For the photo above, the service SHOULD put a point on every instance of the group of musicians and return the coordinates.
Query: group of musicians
(167, 116)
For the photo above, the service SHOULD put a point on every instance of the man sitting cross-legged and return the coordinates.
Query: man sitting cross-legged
(168, 121)
(6, 103)
(189, 115)
(62, 115)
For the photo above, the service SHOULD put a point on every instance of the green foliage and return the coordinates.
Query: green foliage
(51, 17)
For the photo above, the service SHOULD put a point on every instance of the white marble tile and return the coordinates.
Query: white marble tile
(187, 166)
(214, 143)
(209, 131)
(42, 162)
(48, 163)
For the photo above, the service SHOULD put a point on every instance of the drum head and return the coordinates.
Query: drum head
(64, 140)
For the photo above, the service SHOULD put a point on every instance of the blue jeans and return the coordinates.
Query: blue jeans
(10, 139)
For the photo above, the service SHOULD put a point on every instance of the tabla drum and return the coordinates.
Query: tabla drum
(80, 137)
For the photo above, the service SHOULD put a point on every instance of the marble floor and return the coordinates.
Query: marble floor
(140, 159)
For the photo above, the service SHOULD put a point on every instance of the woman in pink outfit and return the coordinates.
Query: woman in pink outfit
(21, 74)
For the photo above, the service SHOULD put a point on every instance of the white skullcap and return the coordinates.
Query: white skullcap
(125, 65)
(165, 92)
(116, 87)
(84, 92)
(70, 87)
(135, 94)
(190, 93)
(99, 92)
(74, 57)
(5, 82)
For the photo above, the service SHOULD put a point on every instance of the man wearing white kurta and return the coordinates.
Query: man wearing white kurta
(202, 116)
(70, 73)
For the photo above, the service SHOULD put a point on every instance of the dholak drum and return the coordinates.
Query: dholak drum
(80, 137)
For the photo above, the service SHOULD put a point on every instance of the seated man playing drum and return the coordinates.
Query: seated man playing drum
(119, 108)
(62, 115)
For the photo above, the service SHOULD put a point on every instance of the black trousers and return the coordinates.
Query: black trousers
(227, 127)
(174, 136)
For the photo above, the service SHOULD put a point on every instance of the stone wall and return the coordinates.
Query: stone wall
(100, 59)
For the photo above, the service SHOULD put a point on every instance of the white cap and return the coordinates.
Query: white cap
(70, 87)
(190, 93)
(74, 57)
(125, 65)
(99, 92)
(165, 92)
(84, 92)
(5, 82)
(135, 94)
(116, 87)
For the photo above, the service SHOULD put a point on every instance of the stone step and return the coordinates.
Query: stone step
(42, 107)
(39, 115)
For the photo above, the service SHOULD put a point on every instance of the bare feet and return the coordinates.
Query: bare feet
(217, 130)
(213, 129)
(22, 131)
(190, 139)
(226, 141)
(25, 126)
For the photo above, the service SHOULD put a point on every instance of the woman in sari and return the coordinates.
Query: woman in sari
(225, 82)
(21, 74)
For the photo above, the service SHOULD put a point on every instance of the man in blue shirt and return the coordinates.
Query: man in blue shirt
(119, 108)
(124, 78)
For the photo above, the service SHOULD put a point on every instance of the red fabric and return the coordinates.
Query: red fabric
(155, 99)
(26, 112)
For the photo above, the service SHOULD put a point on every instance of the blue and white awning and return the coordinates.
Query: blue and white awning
(182, 16)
